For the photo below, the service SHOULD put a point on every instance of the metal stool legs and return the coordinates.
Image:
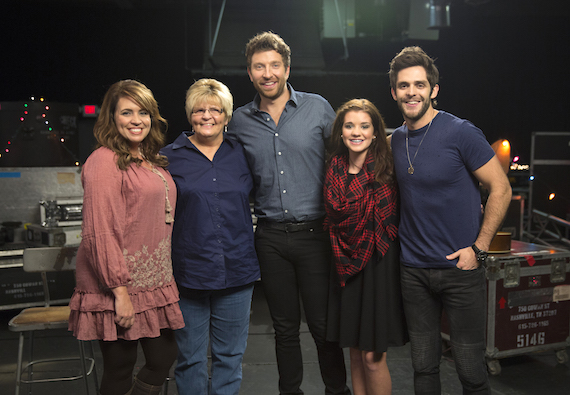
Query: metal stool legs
(83, 358)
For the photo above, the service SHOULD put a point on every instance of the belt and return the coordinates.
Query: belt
(291, 226)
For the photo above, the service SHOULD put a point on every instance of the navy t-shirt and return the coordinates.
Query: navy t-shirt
(440, 201)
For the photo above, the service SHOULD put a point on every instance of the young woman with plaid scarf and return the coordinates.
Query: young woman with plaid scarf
(362, 218)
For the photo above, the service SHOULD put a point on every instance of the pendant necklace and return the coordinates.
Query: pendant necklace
(411, 162)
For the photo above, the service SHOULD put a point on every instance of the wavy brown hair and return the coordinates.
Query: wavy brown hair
(106, 132)
(383, 161)
(268, 41)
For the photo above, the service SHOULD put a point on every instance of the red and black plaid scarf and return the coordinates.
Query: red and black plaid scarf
(361, 216)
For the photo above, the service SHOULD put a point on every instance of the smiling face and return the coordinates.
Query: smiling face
(357, 134)
(413, 95)
(208, 122)
(132, 122)
(268, 74)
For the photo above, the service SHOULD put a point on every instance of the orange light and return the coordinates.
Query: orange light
(502, 149)
(551, 196)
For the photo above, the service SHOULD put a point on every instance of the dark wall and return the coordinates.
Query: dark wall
(73, 53)
(502, 70)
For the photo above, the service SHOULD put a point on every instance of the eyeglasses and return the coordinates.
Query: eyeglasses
(212, 110)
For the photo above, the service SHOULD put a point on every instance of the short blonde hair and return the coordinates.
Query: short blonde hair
(211, 91)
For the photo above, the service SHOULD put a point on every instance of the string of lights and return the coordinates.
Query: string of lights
(33, 113)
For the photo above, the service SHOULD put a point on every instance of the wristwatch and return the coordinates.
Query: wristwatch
(479, 254)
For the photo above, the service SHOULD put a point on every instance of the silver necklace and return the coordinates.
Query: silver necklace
(354, 164)
(411, 162)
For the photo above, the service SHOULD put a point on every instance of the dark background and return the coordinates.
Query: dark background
(503, 63)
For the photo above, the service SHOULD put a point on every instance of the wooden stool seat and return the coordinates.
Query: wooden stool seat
(40, 316)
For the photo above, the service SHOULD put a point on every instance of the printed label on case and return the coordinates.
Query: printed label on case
(561, 293)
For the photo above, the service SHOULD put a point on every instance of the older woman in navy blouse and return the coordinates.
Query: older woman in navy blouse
(213, 252)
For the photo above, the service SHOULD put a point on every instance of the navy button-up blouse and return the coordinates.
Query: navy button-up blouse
(212, 239)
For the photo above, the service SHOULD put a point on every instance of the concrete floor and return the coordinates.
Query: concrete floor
(521, 375)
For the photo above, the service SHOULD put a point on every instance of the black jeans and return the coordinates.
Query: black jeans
(462, 293)
(295, 266)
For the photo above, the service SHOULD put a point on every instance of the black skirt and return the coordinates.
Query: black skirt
(368, 313)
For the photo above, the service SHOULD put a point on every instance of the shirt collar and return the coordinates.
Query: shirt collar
(293, 99)
(183, 141)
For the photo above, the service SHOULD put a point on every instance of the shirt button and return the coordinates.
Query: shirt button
(214, 179)
(281, 172)
(276, 134)
(268, 119)
(286, 211)
(279, 153)
(284, 191)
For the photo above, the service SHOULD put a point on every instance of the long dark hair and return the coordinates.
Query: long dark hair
(382, 154)
(106, 132)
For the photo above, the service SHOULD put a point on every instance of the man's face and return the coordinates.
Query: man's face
(413, 93)
(268, 74)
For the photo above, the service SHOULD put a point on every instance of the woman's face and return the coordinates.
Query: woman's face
(208, 121)
(132, 122)
(357, 131)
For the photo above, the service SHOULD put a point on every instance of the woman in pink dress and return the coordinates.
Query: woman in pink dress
(125, 292)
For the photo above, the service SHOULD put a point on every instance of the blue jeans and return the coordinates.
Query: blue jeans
(296, 266)
(222, 318)
(462, 294)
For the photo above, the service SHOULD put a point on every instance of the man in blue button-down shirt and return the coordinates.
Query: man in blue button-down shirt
(284, 132)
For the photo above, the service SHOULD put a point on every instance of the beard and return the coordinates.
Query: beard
(281, 86)
(426, 104)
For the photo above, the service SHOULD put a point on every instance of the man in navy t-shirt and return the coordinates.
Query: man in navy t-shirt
(439, 161)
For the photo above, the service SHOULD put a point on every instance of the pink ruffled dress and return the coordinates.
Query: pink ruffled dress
(126, 236)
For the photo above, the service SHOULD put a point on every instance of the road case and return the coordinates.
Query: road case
(528, 303)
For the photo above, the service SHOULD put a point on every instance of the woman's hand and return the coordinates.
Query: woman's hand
(124, 311)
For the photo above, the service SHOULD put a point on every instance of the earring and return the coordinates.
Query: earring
(226, 129)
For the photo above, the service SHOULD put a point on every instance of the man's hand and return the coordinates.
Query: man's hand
(466, 259)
